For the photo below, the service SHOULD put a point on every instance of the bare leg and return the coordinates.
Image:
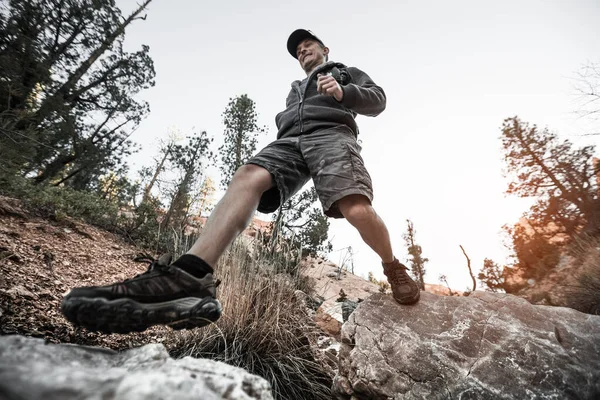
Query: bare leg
(233, 212)
(358, 211)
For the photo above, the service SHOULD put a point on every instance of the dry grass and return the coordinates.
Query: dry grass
(264, 327)
(585, 296)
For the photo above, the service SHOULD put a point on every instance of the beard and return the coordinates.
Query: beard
(313, 63)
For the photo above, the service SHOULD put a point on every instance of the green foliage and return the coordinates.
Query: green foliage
(241, 130)
(416, 260)
(305, 225)
(491, 275)
(188, 162)
(67, 90)
(58, 203)
(141, 226)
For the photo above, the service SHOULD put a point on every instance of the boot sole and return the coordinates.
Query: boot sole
(410, 301)
(126, 315)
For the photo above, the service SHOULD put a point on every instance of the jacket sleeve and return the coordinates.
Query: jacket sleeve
(363, 96)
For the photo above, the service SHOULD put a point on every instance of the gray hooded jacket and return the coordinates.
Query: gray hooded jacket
(308, 111)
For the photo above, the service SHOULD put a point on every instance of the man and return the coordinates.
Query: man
(316, 139)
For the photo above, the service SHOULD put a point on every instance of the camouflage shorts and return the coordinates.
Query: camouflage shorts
(331, 157)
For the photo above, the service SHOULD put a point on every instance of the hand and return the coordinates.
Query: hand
(327, 85)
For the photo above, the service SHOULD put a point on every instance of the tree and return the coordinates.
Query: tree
(444, 279)
(165, 153)
(559, 176)
(188, 160)
(534, 253)
(491, 275)
(240, 136)
(206, 199)
(307, 223)
(587, 87)
(67, 88)
(416, 260)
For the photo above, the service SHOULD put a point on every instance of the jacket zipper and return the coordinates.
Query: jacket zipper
(301, 104)
(299, 107)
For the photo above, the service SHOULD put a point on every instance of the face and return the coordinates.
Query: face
(311, 54)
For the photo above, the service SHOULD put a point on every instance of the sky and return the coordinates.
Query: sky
(452, 72)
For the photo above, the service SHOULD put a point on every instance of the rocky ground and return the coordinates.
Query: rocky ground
(41, 260)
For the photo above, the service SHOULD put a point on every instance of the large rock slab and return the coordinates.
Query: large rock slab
(31, 369)
(485, 346)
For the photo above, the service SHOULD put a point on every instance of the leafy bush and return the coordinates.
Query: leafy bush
(59, 202)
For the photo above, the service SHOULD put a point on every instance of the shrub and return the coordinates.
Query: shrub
(585, 295)
(59, 202)
(264, 328)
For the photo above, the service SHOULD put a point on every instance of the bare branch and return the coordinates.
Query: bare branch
(469, 266)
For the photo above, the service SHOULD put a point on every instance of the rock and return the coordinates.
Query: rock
(31, 369)
(484, 346)
(20, 291)
(329, 319)
(310, 302)
(326, 353)
(348, 307)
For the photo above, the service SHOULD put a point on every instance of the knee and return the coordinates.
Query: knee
(254, 176)
(356, 208)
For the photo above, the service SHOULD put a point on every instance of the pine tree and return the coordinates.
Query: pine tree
(555, 173)
(491, 275)
(308, 223)
(206, 199)
(189, 161)
(240, 137)
(67, 90)
(416, 260)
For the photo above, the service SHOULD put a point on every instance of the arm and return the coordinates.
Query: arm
(363, 96)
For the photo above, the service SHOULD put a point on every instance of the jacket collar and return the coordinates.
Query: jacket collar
(325, 66)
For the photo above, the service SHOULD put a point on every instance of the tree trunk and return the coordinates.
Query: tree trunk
(54, 167)
(156, 174)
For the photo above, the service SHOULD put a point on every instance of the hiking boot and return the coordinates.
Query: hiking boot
(163, 295)
(405, 290)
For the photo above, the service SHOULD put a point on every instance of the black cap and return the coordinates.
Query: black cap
(297, 37)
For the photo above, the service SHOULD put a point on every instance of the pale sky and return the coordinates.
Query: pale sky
(452, 72)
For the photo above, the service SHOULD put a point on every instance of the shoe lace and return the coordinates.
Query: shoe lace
(399, 275)
(154, 265)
